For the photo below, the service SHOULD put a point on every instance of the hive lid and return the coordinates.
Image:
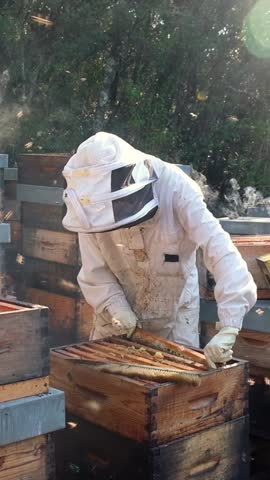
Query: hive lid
(246, 225)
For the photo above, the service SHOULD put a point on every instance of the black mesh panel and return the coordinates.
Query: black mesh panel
(121, 178)
(128, 206)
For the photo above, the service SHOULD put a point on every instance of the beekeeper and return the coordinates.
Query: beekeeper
(139, 222)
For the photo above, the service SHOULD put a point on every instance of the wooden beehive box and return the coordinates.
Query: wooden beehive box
(40, 188)
(42, 169)
(31, 459)
(60, 247)
(50, 258)
(24, 346)
(48, 276)
(70, 318)
(53, 277)
(146, 411)
(250, 247)
(26, 449)
(218, 453)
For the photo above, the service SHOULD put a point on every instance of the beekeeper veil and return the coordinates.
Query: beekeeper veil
(109, 185)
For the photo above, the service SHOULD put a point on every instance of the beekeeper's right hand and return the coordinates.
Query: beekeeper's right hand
(219, 349)
(125, 320)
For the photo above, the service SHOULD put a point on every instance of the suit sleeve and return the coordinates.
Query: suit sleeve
(235, 290)
(98, 284)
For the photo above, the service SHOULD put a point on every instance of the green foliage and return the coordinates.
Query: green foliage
(179, 79)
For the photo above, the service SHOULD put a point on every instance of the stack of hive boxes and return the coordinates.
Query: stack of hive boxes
(50, 259)
(253, 342)
(29, 409)
(138, 429)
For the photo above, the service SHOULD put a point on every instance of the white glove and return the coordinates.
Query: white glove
(125, 320)
(219, 349)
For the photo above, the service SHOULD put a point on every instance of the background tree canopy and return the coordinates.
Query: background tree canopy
(187, 80)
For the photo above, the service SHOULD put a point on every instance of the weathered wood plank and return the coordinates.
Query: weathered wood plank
(62, 319)
(255, 240)
(13, 391)
(31, 416)
(28, 460)
(70, 320)
(48, 217)
(222, 396)
(254, 347)
(219, 453)
(51, 276)
(40, 194)
(24, 348)
(92, 396)
(168, 411)
(42, 169)
(57, 247)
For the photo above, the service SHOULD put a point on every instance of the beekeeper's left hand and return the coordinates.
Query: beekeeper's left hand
(219, 349)
(125, 320)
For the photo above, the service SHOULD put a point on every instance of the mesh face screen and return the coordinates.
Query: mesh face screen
(128, 206)
(121, 178)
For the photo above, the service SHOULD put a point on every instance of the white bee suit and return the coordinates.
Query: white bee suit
(150, 268)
